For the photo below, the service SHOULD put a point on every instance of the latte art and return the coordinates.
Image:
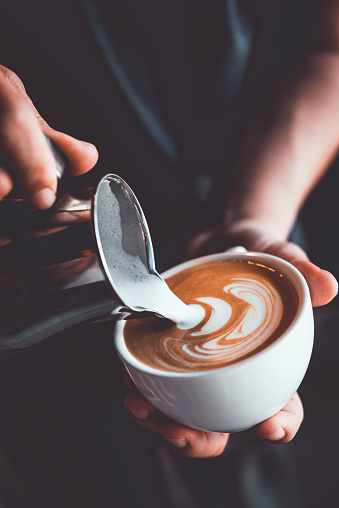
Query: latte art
(246, 306)
(253, 324)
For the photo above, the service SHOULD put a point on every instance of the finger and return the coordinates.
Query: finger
(282, 427)
(194, 443)
(14, 80)
(25, 148)
(81, 156)
(6, 182)
(187, 442)
(322, 284)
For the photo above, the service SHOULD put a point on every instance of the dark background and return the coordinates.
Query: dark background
(66, 439)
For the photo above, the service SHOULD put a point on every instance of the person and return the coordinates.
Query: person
(288, 136)
(32, 164)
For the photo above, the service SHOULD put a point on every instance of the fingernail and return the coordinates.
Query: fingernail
(43, 198)
(178, 443)
(140, 414)
(90, 146)
(276, 436)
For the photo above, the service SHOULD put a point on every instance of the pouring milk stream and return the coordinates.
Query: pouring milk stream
(126, 253)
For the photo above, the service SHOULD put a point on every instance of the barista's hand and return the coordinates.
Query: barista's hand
(187, 442)
(25, 151)
(323, 286)
(282, 427)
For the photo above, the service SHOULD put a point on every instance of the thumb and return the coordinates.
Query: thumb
(81, 156)
(322, 284)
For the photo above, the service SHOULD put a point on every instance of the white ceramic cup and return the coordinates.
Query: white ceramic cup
(240, 395)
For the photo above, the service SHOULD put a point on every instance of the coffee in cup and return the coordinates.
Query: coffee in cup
(245, 306)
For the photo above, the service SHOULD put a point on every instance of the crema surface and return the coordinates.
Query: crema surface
(246, 306)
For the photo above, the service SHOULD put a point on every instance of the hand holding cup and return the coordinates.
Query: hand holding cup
(279, 428)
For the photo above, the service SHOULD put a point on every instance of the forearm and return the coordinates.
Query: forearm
(291, 139)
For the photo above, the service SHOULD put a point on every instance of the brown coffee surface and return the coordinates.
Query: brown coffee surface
(247, 307)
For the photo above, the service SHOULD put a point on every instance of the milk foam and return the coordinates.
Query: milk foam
(221, 313)
(262, 317)
(124, 254)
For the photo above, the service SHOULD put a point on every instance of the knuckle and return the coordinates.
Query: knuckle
(196, 440)
(13, 79)
(38, 177)
(43, 172)
(14, 116)
(39, 119)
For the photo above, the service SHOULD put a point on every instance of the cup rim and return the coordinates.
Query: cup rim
(286, 268)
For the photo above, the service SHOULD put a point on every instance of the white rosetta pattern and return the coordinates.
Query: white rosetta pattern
(235, 327)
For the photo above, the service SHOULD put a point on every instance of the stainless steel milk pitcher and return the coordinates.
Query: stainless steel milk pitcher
(50, 282)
